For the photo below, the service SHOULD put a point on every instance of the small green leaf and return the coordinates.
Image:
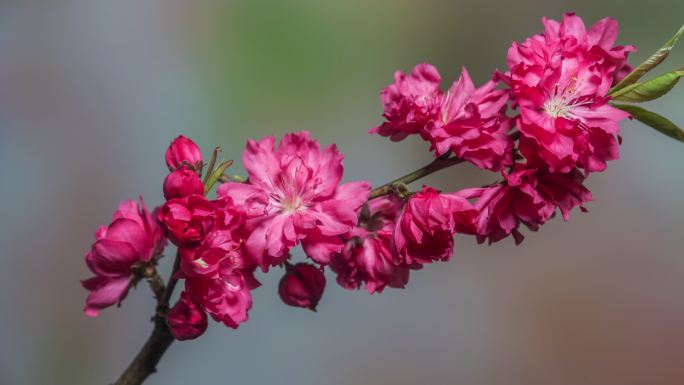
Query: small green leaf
(649, 64)
(649, 90)
(654, 120)
(214, 177)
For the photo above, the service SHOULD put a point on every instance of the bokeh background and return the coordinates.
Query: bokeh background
(91, 93)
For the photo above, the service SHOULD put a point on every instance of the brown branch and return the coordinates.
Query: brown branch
(145, 363)
(436, 165)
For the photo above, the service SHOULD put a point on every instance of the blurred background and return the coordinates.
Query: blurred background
(92, 92)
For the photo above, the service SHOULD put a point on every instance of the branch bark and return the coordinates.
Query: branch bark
(145, 362)
(436, 165)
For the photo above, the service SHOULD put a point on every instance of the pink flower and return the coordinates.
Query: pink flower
(219, 250)
(368, 257)
(183, 152)
(222, 250)
(181, 183)
(424, 232)
(570, 37)
(525, 197)
(187, 220)
(302, 286)
(293, 192)
(503, 207)
(133, 237)
(186, 320)
(227, 298)
(561, 80)
(565, 191)
(410, 103)
(565, 119)
(473, 125)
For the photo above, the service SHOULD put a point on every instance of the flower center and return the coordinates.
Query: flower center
(557, 107)
(562, 100)
(291, 204)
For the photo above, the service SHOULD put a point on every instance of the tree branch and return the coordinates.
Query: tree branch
(145, 363)
(436, 165)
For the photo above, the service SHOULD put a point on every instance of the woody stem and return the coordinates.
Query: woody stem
(436, 165)
(145, 362)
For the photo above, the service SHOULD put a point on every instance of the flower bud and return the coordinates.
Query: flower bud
(183, 151)
(181, 183)
(186, 320)
(302, 286)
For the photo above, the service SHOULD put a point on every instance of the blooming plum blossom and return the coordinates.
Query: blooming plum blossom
(560, 81)
(525, 197)
(226, 298)
(411, 102)
(472, 123)
(293, 191)
(132, 238)
(424, 232)
(368, 258)
(187, 220)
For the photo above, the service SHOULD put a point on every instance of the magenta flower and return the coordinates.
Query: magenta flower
(183, 152)
(133, 237)
(424, 232)
(181, 183)
(226, 298)
(472, 123)
(187, 220)
(410, 103)
(220, 250)
(565, 119)
(368, 258)
(186, 320)
(503, 207)
(293, 192)
(565, 191)
(302, 286)
(561, 80)
(525, 197)
(570, 36)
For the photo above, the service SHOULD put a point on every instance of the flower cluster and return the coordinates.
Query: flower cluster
(545, 129)
(544, 125)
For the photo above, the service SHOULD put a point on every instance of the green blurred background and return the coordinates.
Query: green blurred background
(91, 93)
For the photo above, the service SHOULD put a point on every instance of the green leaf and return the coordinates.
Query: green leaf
(654, 120)
(650, 63)
(214, 177)
(649, 90)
